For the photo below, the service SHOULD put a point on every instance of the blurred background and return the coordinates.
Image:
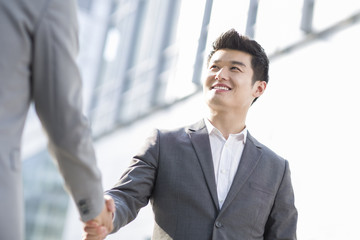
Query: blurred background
(142, 63)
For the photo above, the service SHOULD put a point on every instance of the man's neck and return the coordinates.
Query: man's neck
(227, 122)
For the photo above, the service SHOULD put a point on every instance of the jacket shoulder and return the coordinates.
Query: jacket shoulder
(267, 152)
(182, 131)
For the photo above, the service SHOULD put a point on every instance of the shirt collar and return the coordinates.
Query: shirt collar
(211, 130)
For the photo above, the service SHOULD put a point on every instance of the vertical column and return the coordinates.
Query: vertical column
(251, 21)
(202, 43)
(307, 16)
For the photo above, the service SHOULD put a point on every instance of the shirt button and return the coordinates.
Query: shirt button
(218, 224)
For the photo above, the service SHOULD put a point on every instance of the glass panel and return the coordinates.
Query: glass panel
(46, 201)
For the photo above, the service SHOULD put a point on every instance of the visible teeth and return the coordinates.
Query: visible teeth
(221, 88)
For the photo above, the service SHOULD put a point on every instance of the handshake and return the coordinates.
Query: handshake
(99, 227)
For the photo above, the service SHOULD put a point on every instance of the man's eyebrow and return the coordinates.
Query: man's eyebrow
(232, 62)
(238, 63)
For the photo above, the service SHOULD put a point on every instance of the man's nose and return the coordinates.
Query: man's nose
(222, 74)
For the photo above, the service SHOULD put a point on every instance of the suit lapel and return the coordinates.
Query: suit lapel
(249, 159)
(200, 140)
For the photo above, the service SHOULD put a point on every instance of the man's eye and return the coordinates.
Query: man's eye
(236, 69)
(214, 67)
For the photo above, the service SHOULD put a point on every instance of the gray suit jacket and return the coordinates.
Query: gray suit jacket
(175, 171)
(38, 48)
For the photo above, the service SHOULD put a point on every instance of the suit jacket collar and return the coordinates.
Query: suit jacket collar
(200, 140)
(249, 160)
(251, 155)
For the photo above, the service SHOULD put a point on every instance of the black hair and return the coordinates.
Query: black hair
(233, 40)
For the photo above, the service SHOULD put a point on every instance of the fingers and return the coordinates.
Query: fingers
(100, 226)
(92, 231)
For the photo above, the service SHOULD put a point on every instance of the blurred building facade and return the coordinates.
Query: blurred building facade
(142, 62)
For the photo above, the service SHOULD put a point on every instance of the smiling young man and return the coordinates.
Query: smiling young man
(237, 76)
(213, 180)
(230, 89)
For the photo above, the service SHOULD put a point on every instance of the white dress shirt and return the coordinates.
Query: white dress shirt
(226, 154)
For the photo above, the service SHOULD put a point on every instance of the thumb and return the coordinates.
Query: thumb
(110, 204)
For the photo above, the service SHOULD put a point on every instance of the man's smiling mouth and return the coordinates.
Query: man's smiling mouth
(221, 87)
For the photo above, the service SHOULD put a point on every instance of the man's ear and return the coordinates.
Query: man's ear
(259, 88)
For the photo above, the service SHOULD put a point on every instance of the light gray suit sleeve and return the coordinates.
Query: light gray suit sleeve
(56, 91)
(282, 221)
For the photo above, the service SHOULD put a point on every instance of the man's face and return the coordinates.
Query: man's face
(228, 85)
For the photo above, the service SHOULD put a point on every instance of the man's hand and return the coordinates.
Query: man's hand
(99, 227)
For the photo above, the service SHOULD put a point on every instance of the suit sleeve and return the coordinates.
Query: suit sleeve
(56, 91)
(133, 190)
(282, 221)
